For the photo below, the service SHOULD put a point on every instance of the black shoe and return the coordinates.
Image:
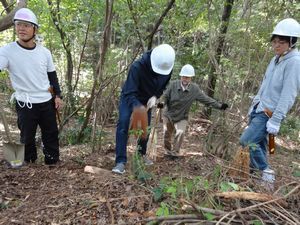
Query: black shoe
(29, 161)
(172, 156)
(51, 161)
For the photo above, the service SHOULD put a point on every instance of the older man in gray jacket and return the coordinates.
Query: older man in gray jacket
(178, 99)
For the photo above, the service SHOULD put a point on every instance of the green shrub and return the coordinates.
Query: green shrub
(290, 128)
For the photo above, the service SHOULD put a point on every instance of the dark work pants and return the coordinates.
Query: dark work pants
(122, 133)
(44, 115)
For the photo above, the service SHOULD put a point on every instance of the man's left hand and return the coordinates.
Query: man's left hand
(272, 128)
(224, 106)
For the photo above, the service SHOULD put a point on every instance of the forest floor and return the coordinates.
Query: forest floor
(66, 194)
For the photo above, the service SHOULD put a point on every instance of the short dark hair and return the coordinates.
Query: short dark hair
(285, 38)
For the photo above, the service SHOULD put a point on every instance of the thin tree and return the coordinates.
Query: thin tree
(98, 75)
(214, 64)
(66, 42)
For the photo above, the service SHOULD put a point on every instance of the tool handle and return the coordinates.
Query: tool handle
(5, 125)
(58, 116)
(271, 143)
(271, 136)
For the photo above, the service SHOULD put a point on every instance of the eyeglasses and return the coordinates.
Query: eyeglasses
(26, 25)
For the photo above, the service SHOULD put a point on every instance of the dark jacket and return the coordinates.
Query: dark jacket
(142, 82)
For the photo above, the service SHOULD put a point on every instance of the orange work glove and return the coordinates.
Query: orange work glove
(139, 120)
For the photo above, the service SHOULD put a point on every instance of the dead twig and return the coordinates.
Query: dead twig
(129, 197)
(285, 218)
(172, 217)
(110, 210)
(258, 205)
(238, 205)
(202, 209)
(231, 219)
(283, 186)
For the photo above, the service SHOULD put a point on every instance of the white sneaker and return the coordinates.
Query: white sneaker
(268, 175)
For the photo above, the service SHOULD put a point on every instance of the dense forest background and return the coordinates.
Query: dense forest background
(94, 42)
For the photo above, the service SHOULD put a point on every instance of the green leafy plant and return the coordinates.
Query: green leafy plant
(3, 205)
(290, 128)
(163, 210)
(296, 171)
(70, 136)
(229, 186)
(209, 216)
(256, 222)
(139, 168)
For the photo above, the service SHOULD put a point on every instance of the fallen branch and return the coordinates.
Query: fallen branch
(247, 195)
(201, 209)
(258, 205)
(172, 217)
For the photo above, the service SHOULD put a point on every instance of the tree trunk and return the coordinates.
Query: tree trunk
(99, 70)
(66, 42)
(212, 79)
(98, 75)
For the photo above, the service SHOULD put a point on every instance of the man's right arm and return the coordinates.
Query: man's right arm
(130, 88)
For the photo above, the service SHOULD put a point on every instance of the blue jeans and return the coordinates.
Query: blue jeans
(122, 132)
(255, 136)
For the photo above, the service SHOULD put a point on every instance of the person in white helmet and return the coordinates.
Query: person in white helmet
(32, 73)
(277, 94)
(147, 78)
(177, 99)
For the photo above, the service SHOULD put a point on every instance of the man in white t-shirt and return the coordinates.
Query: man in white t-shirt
(32, 73)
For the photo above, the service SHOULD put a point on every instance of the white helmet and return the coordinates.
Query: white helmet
(287, 27)
(162, 59)
(26, 15)
(187, 71)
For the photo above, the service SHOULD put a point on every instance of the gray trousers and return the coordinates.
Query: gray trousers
(179, 129)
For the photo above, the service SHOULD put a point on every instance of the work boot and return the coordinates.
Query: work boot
(268, 175)
(172, 155)
(147, 161)
(119, 168)
(268, 179)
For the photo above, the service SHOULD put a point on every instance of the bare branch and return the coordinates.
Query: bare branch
(7, 21)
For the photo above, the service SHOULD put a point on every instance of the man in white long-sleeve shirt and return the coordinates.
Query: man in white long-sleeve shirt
(277, 94)
(32, 72)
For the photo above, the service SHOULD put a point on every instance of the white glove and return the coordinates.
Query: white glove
(151, 102)
(272, 128)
